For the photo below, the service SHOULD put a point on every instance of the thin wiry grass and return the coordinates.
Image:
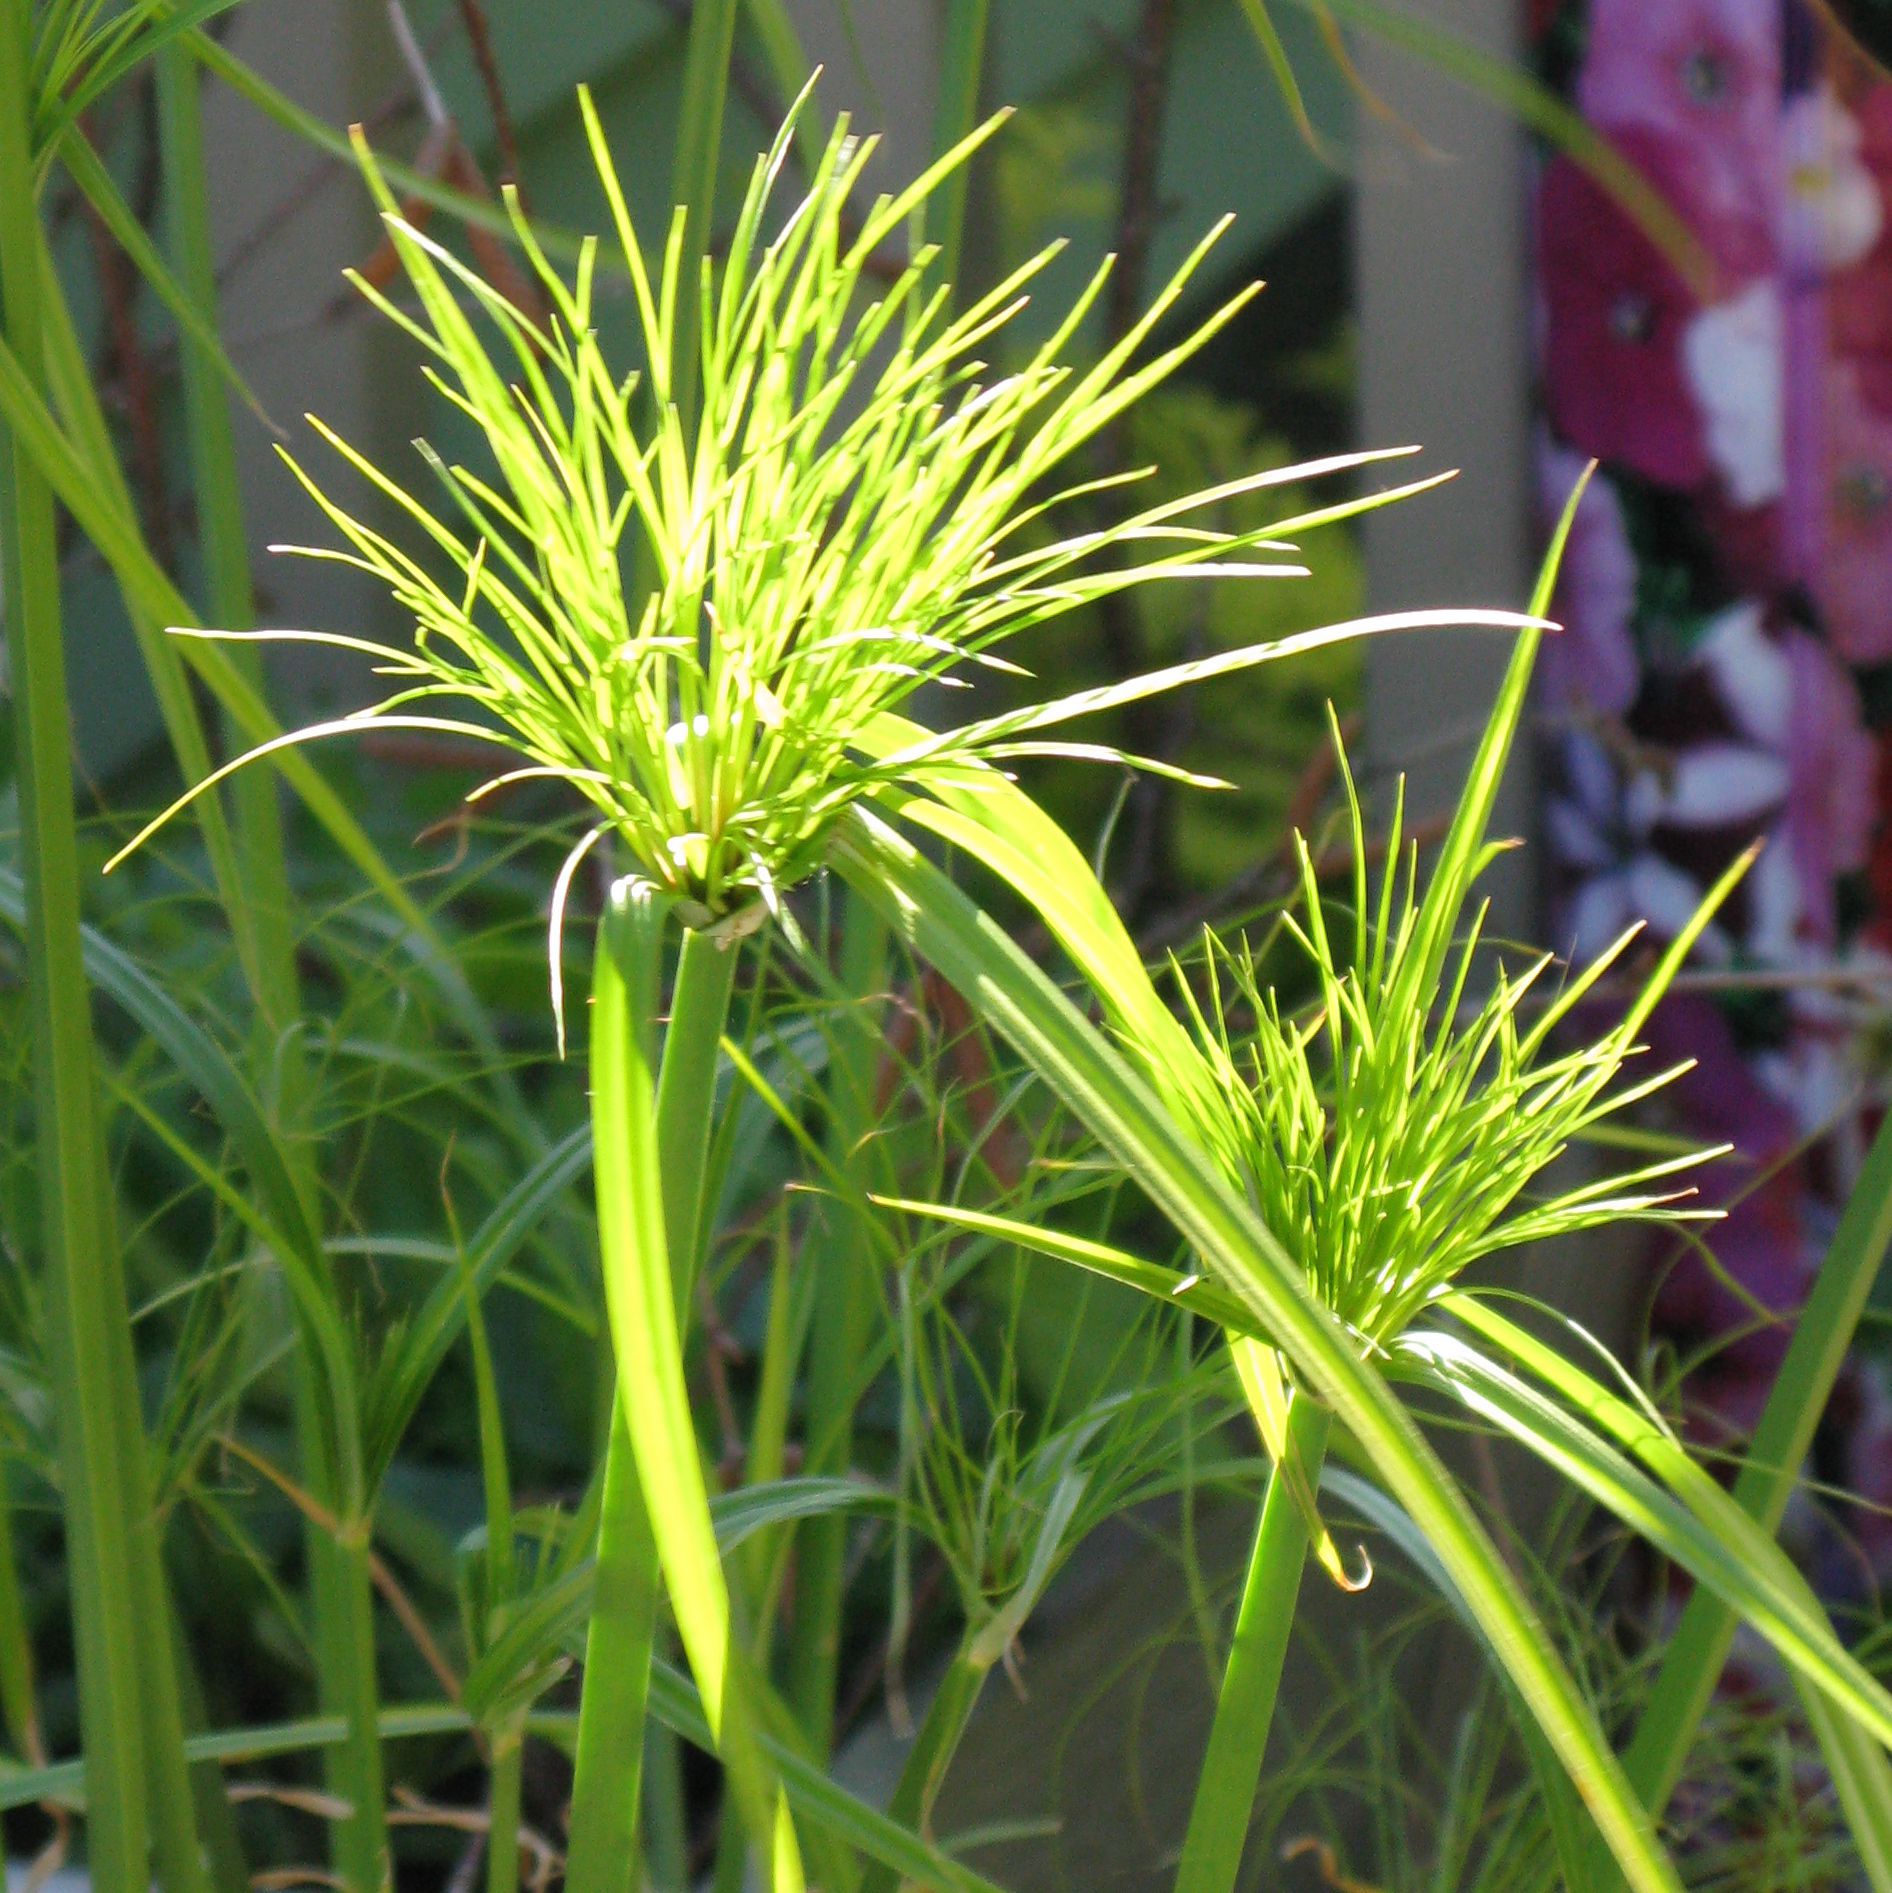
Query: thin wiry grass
(1406, 1802)
(1399, 1130)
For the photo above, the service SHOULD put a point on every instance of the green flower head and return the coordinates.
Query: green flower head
(702, 592)
(1406, 1124)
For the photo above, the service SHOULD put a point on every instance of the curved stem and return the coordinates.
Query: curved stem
(924, 1772)
(652, 1147)
(608, 1776)
(1244, 1708)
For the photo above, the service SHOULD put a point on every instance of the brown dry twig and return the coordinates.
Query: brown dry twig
(406, 1613)
(1326, 1861)
(412, 1810)
(130, 370)
(480, 39)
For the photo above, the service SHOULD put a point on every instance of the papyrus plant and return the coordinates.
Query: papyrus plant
(699, 591)
(1332, 1175)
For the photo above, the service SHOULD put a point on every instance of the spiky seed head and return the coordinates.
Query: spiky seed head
(1404, 1125)
(699, 593)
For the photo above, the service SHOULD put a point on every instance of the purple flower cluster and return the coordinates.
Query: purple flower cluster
(1728, 604)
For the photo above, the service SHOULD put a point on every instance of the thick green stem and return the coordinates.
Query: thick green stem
(686, 1096)
(622, 1633)
(666, 1815)
(506, 1778)
(178, 1853)
(342, 1596)
(19, 1695)
(86, 1309)
(1692, 1663)
(1244, 1709)
(924, 1772)
(961, 71)
(608, 1774)
(845, 1302)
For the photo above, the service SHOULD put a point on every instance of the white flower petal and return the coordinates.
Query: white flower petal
(1645, 801)
(1834, 213)
(1732, 353)
(1774, 905)
(1575, 839)
(1753, 675)
(1721, 783)
(1591, 774)
(1597, 914)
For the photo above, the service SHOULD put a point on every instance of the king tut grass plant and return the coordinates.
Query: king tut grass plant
(1389, 1140)
(836, 531)
(1386, 1139)
(851, 509)
(1165, 1114)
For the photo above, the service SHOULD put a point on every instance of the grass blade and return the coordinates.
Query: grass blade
(841, 1321)
(1692, 1663)
(956, 111)
(1614, 1451)
(102, 1464)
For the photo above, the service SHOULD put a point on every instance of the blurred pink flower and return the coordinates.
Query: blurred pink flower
(1762, 1243)
(1732, 352)
(1599, 829)
(1872, 114)
(1850, 577)
(1879, 865)
(1616, 311)
(1591, 663)
(1703, 73)
(1623, 834)
(1746, 541)
(1859, 300)
(1859, 325)
(1832, 808)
